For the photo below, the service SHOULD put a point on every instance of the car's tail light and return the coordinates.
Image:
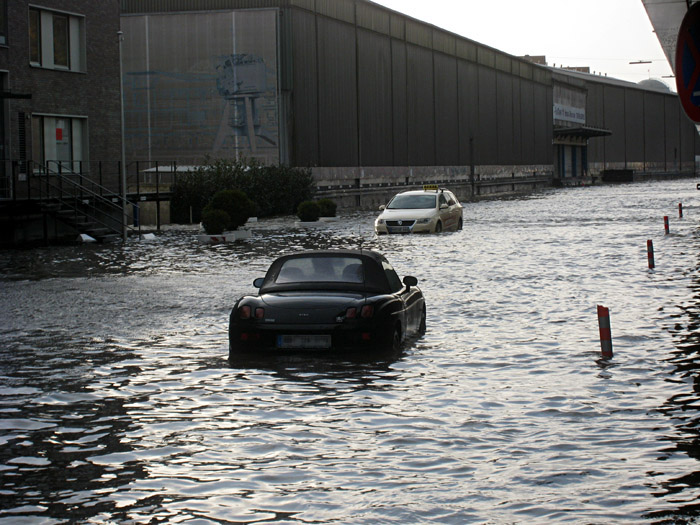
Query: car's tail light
(351, 313)
(259, 313)
(245, 336)
(367, 311)
(244, 312)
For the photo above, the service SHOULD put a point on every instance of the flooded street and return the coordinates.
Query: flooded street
(118, 403)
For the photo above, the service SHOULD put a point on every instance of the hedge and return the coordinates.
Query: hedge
(275, 189)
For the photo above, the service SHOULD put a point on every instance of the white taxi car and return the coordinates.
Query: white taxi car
(430, 210)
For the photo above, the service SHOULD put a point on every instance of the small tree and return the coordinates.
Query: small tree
(308, 211)
(235, 204)
(215, 221)
(327, 207)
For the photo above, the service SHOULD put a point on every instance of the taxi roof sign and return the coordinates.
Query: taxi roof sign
(430, 187)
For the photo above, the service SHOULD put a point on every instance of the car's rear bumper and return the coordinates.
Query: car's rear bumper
(266, 339)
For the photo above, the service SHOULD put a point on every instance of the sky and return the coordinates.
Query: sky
(605, 35)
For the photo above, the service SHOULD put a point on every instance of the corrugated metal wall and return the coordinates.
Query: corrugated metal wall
(650, 132)
(337, 96)
(394, 91)
(375, 122)
(364, 86)
(654, 117)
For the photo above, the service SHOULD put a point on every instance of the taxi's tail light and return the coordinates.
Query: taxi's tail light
(259, 313)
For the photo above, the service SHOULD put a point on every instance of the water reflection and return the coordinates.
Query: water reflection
(53, 421)
(118, 403)
(682, 408)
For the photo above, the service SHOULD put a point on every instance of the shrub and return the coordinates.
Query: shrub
(276, 190)
(309, 211)
(214, 221)
(235, 204)
(327, 207)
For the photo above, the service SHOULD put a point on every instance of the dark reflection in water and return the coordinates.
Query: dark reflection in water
(682, 408)
(53, 422)
(117, 402)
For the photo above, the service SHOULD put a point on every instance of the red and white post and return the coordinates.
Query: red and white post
(605, 333)
(650, 254)
(680, 210)
(666, 228)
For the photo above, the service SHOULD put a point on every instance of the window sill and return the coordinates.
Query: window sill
(62, 69)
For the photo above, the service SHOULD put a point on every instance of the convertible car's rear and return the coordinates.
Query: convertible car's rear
(310, 320)
(327, 299)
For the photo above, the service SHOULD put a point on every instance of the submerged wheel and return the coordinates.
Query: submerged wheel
(396, 339)
(460, 224)
(438, 227)
(422, 324)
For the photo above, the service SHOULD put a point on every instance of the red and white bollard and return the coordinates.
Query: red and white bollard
(666, 228)
(680, 210)
(605, 333)
(650, 254)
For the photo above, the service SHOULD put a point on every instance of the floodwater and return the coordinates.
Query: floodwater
(118, 403)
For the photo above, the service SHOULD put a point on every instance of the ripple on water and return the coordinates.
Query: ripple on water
(117, 402)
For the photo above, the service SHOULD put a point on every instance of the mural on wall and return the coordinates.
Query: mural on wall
(200, 85)
(242, 82)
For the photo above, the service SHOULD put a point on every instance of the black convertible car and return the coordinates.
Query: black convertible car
(328, 299)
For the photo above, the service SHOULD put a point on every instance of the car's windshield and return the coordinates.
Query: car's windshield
(412, 202)
(321, 269)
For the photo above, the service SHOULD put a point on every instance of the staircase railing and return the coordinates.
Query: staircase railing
(58, 183)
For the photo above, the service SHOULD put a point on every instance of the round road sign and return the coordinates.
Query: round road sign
(688, 63)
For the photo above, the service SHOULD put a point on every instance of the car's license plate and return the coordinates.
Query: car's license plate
(400, 229)
(303, 341)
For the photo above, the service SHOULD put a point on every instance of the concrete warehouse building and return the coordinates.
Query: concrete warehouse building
(367, 96)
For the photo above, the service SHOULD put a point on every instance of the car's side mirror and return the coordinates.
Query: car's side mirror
(443, 206)
(258, 282)
(409, 281)
(382, 208)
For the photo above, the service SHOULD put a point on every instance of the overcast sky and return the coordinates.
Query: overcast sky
(605, 35)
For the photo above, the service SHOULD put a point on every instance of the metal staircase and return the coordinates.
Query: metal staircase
(75, 200)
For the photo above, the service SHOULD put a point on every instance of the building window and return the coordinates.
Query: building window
(34, 37)
(56, 40)
(3, 22)
(60, 41)
(59, 142)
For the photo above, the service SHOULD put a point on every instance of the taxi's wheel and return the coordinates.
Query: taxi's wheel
(460, 224)
(438, 227)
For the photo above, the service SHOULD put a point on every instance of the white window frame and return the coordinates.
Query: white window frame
(76, 40)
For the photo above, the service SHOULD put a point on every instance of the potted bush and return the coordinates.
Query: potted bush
(327, 207)
(215, 221)
(227, 211)
(236, 204)
(308, 211)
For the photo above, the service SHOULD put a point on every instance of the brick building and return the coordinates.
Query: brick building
(59, 75)
(60, 115)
